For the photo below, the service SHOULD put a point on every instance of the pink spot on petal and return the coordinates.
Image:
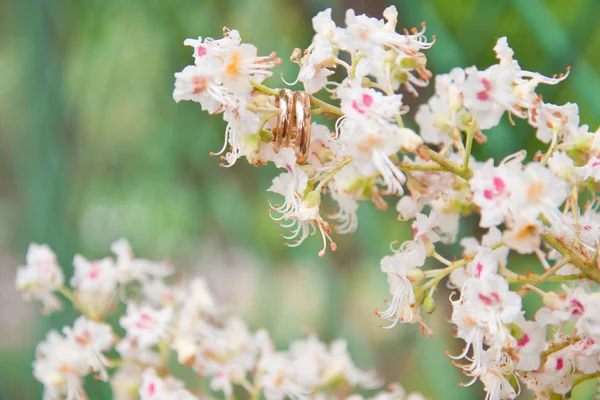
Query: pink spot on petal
(485, 299)
(483, 96)
(478, 270)
(560, 363)
(488, 194)
(367, 100)
(151, 389)
(145, 321)
(357, 107)
(496, 296)
(200, 51)
(486, 84)
(499, 184)
(577, 307)
(523, 341)
(94, 271)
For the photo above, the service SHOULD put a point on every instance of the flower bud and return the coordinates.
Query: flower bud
(251, 144)
(415, 275)
(313, 199)
(309, 170)
(429, 248)
(409, 62)
(266, 136)
(553, 301)
(429, 304)
(411, 141)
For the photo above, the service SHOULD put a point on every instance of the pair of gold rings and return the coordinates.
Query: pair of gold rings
(293, 123)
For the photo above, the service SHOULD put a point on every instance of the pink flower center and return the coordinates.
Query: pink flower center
(492, 299)
(523, 341)
(145, 321)
(94, 271)
(478, 270)
(200, 51)
(484, 95)
(151, 389)
(560, 363)
(499, 188)
(367, 101)
(578, 308)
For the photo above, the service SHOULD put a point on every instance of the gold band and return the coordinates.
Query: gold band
(302, 121)
(293, 123)
(283, 129)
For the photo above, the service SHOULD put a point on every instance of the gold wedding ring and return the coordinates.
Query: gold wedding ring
(293, 123)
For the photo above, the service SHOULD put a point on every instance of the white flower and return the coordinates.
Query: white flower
(131, 269)
(539, 192)
(242, 64)
(590, 170)
(561, 165)
(556, 122)
(401, 289)
(589, 322)
(93, 339)
(130, 350)
(314, 71)
(524, 236)
(496, 384)
(365, 33)
(95, 283)
(370, 132)
(484, 307)
(324, 25)
(216, 48)
(202, 83)
(226, 354)
(126, 381)
(492, 190)
(443, 114)
(529, 345)
(60, 365)
(94, 276)
(488, 94)
(145, 324)
(156, 388)
(40, 277)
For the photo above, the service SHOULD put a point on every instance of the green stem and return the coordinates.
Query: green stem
(324, 107)
(469, 144)
(545, 276)
(453, 266)
(532, 278)
(557, 347)
(577, 257)
(262, 88)
(425, 168)
(449, 165)
(584, 378)
(332, 173)
(68, 294)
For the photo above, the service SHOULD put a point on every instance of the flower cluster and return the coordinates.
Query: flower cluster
(543, 205)
(164, 320)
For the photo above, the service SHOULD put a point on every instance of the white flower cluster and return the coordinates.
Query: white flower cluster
(162, 320)
(544, 205)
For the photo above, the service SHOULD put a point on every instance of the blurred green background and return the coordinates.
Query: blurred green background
(93, 148)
